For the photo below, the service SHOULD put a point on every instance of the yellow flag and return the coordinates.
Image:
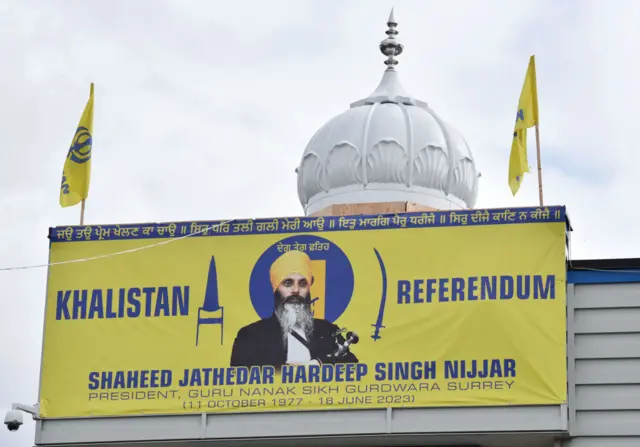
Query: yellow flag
(76, 175)
(526, 117)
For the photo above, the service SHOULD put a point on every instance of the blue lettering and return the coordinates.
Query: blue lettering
(404, 287)
(206, 372)
(121, 299)
(483, 368)
(166, 378)
(196, 378)
(287, 374)
(506, 287)
(99, 303)
(144, 379)
(110, 313)
(119, 380)
(242, 375)
(180, 301)
(94, 383)
(488, 287)
(132, 298)
(338, 376)
(431, 289)
(379, 369)
(472, 289)
(155, 378)
(417, 290)
(96, 305)
(314, 374)
(130, 379)
(524, 287)
(451, 370)
(229, 376)
(443, 289)
(107, 380)
(162, 304)
(403, 371)
(217, 376)
(544, 291)
(327, 374)
(457, 289)
(430, 370)
(79, 304)
(341, 372)
(62, 305)
(509, 368)
(148, 291)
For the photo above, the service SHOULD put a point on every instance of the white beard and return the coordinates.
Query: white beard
(295, 316)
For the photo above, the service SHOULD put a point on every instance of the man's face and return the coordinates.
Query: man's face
(293, 304)
(294, 288)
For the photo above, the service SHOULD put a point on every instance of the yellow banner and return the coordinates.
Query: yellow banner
(430, 309)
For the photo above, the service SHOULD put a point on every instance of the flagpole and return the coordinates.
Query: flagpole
(82, 213)
(83, 200)
(539, 165)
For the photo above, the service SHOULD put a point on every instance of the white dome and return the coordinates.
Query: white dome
(388, 147)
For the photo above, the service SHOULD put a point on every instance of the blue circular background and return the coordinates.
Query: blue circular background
(339, 277)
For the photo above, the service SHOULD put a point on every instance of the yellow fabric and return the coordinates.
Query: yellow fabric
(496, 294)
(76, 174)
(293, 261)
(526, 117)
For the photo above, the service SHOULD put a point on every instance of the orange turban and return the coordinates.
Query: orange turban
(293, 261)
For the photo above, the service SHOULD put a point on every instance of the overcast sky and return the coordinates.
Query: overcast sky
(203, 110)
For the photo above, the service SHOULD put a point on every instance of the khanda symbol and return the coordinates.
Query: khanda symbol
(64, 186)
(80, 150)
(519, 117)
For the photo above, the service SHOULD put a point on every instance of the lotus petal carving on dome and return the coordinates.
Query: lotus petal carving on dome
(312, 175)
(388, 162)
(431, 168)
(387, 147)
(343, 166)
(463, 179)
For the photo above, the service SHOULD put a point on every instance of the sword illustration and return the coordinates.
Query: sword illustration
(378, 324)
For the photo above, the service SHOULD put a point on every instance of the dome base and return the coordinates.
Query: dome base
(350, 195)
(356, 209)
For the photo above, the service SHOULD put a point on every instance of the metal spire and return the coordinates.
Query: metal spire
(390, 47)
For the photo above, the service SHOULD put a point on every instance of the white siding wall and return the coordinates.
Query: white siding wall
(604, 365)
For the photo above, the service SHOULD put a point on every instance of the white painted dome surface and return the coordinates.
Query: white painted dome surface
(388, 147)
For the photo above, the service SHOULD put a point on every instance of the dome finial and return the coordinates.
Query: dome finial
(390, 47)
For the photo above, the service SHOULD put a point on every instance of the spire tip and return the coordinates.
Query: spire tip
(390, 47)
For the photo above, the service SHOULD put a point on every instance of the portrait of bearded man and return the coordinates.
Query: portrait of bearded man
(291, 335)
